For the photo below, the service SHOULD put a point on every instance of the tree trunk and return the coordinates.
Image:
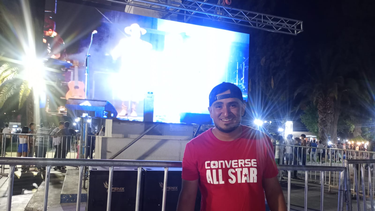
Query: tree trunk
(326, 118)
(337, 112)
(357, 128)
(29, 104)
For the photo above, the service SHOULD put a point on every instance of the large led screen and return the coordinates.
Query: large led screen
(136, 57)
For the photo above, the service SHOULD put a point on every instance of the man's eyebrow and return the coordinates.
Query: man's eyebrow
(217, 103)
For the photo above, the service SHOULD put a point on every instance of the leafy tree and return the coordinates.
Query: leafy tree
(310, 119)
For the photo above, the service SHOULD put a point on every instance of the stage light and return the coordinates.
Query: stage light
(329, 142)
(77, 119)
(89, 121)
(74, 124)
(280, 129)
(288, 128)
(258, 122)
(34, 72)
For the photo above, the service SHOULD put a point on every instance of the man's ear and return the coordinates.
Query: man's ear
(243, 109)
(210, 110)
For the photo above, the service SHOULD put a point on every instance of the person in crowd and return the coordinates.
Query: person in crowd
(42, 141)
(289, 152)
(56, 139)
(23, 145)
(31, 140)
(282, 149)
(233, 165)
(314, 145)
(296, 155)
(8, 137)
(303, 151)
(320, 150)
(90, 144)
(56, 142)
(277, 151)
(68, 136)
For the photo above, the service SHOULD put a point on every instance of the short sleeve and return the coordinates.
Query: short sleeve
(189, 164)
(271, 168)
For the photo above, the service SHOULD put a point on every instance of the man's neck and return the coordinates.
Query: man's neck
(222, 136)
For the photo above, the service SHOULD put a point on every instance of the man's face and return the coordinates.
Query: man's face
(227, 113)
(61, 126)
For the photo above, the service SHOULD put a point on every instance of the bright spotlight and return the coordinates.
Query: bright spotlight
(89, 121)
(77, 119)
(258, 122)
(329, 142)
(74, 124)
(34, 72)
(280, 129)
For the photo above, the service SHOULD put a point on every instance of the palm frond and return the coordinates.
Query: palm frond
(25, 90)
(7, 72)
(6, 91)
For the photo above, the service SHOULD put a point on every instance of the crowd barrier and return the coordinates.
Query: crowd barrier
(46, 146)
(110, 164)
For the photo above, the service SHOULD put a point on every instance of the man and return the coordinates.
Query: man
(5, 142)
(233, 165)
(90, 144)
(67, 139)
(314, 145)
(32, 149)
(56, 139)
(42, 141)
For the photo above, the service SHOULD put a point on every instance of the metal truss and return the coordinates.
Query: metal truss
(214, 12)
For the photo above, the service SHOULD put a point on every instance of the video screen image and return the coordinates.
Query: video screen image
(135, 57)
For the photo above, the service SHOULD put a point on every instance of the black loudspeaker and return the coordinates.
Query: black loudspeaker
(153, 189)
(123, 190)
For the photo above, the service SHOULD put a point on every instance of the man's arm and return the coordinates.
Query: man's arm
(188, 195)
(274, 194)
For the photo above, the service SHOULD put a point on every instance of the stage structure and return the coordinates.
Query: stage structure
(214, 12)
(150, 77)
(152, 69)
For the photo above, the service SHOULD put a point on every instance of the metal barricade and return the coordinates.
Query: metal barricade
(81, 164)
(46, 146)
(342, 188)
(361, 182)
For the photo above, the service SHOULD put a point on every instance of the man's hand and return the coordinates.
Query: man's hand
(188, 195)
(274, 194)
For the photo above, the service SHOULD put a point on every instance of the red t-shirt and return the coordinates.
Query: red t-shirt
(230, 173)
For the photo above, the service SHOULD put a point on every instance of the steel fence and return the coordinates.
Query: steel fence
(315, 156)
(362, 174)
(110, 164)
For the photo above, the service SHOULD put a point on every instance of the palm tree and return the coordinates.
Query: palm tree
(327, 87)
(14, 87)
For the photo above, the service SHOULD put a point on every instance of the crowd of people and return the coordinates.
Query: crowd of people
(36, 142)
(299, 150)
